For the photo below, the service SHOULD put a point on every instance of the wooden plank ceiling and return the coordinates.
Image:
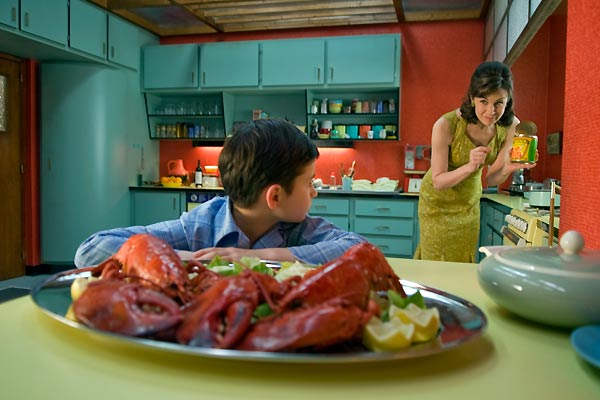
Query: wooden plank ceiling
(185, 17)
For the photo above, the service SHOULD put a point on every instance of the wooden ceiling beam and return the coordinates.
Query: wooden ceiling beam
(399, 8)
(352, 13)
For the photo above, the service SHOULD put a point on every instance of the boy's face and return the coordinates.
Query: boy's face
(297, 203)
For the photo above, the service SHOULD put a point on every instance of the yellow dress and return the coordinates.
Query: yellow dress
(449, 218)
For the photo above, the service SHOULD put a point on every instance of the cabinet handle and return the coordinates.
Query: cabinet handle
(321, 207)
(318, 74)
(112, 51)
(174, 203)
(381, 209)
(204, 78)
(383, 228)
(13, 14)
(383, 246)
(193, 77)
(26, 19)
(331, 74)
(103, 48)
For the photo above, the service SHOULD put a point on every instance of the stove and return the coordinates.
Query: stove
(527, 228)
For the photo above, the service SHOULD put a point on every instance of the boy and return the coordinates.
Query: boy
(266, 167)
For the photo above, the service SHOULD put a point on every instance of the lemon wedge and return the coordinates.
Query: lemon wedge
(426, 321)
(393, 335)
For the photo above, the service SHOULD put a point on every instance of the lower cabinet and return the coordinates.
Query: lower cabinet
(389, 224)
(149, 207)
(335, 210)
(491, 222)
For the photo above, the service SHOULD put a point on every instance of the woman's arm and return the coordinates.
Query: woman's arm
(441, 137)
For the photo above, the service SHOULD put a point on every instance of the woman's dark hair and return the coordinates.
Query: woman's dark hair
(261, 153)
(489, 77)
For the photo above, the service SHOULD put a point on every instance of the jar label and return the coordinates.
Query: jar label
(524, 149)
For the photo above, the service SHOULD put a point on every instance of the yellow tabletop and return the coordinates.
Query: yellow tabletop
(41, 358)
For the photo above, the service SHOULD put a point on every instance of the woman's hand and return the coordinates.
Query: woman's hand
(477, 156)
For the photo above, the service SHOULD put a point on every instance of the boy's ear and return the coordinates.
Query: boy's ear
(273, 195)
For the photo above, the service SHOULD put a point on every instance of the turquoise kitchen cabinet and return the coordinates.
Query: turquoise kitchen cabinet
(123, 44)
(9, 13)
(102, 35)
(226, 65)
(372, 59)
(46, 19)
(151, 207)
(170, 66)
(88, 28)
(335, 210)
(492, 218)
(87, 115)
(293, 62)
(389, 224)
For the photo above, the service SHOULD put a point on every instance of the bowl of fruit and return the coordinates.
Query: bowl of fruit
(171, 181)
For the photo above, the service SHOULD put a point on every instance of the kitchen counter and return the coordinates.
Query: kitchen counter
(178, 189)
(42, 358)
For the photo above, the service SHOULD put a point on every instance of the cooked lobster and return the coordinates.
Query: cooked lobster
(126, 308)
(145, 289)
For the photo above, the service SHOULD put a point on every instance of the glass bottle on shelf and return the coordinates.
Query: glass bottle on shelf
(198, 175)
(314, 129)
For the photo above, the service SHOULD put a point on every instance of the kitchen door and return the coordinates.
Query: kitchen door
(11, 178)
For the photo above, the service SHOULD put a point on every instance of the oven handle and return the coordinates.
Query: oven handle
(512, 237)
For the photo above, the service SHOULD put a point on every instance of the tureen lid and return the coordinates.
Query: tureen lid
(570, 259)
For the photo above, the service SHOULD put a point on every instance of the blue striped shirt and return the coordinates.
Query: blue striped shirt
(314, 240)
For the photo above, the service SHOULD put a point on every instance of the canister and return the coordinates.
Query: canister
(524, 148)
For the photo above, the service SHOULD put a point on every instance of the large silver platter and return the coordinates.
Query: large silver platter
(461, 321)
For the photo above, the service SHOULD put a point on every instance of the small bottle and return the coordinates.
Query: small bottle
(332, 181)
(314, 129)
(198, 175)
(324, 106)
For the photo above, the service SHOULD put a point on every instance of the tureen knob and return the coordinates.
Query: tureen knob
(572, 242)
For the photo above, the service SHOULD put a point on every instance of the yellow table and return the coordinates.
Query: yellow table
(42, 358)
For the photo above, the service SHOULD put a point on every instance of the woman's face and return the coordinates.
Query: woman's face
(298, 202)
(489, 109)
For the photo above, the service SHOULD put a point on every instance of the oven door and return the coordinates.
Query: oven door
(510, 238)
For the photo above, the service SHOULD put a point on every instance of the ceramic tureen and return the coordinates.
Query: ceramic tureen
(558, 286)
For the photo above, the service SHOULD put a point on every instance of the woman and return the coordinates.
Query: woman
(479, 133)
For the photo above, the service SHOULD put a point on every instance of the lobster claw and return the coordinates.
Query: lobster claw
(221, 315)
(126, 308)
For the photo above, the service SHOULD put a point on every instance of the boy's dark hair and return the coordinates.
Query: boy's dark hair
(260, 153)
(489, 77)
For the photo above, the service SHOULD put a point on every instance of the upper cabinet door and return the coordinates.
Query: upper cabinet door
(363, 60)
(170, 66)
(9, 13)
(47, 19)
(293, 62)
(123, 43)
(229, 65)
(88, 28)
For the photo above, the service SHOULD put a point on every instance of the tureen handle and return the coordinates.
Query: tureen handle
(572, 242)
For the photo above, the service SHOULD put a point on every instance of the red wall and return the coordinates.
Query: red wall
(539, 76)
(580, 203)
(437, 61)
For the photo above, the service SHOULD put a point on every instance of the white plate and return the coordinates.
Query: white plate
(461, 321)
(586, 341)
